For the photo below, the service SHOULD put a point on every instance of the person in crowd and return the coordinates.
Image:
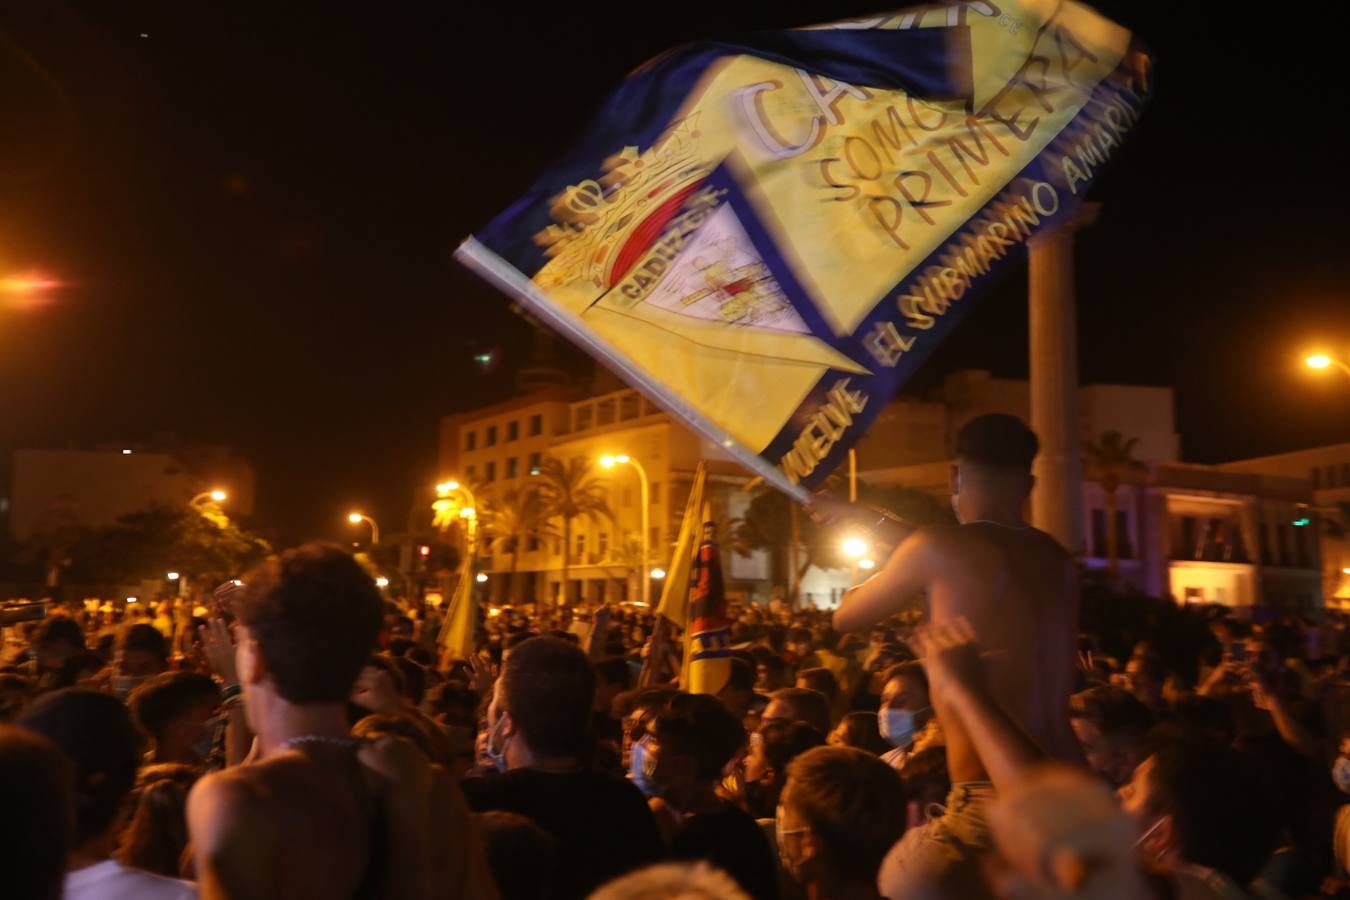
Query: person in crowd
(1019, 590)
(862, 731)
(521, 855)
(926, 786)
(771, 673)
(841, 812)
(538, 736)
(905, 719)
(695, 738)
(58, 647)
(314, 812)
(176, 710)
(1113, 727)
(673, 881)
(141, 653)
(822, 680)
(739, 692)
(16, 692)
(156, 837)
(776, 744)
(613, 676)
(381, 689)
(36, 783)
(96, 734)
(800, 705)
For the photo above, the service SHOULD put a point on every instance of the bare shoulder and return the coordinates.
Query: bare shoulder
(233, 797)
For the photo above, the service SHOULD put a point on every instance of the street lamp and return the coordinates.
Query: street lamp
(609, 461)
(867, 564)
(658, 573)
(382, 582)
(216, 496)
(1324, 361)
(357, 518)
(174, 576)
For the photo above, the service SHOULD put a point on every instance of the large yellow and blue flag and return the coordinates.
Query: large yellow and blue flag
(768, 235)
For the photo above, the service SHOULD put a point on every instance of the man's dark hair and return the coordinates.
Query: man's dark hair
(998, 441)
(399, 646)
(741, 676)
(801, 636)
(854, 804)
(95, 733)
(455, 702)
(1119, 714)
(910, 668)
(782, 742)
(515, 640)
(811, 707)
(548, 687)
(147, 638)
(315, 614)
(822, 680)
(699, 726)
(925, 776)
(615, 670)
(510, 839)
(35, 781)
(860, 732)
(59, 628)
(160, 700)
(1220, 805)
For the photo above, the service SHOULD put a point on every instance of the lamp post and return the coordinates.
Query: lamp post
(610, 461)
(216, 496)
(357, 518)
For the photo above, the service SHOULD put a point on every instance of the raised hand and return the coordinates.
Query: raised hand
(218, 649)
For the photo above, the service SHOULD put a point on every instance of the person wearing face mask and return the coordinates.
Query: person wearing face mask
(177, 711)
(905, 718)
(141, 652)
(1204, 816)
(841, 812)
(538, 736)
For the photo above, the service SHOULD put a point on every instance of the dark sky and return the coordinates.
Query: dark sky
(256, 206)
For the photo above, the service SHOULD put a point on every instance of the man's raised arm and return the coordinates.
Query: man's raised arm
(905, 574)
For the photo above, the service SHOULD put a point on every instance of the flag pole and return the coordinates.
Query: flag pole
(506, 278)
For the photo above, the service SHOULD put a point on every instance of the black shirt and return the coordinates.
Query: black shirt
(733, 842)
(601, 823)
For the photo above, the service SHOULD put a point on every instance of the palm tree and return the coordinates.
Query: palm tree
(512, 519)
(568, 491)
(1110, 461)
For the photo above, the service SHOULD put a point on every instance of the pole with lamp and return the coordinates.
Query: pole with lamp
(357, 518)
(609, 461)
(457, 634)
(1326, 361)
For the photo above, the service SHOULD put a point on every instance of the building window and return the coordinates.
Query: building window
(1099, 533)
(1194, 595)
(1124, 546)
(654, 538)
(656, 492)
(581, 546)
(512, 464)
(1286, 545)
(1317, 476)
(536, 425)
(1263, 539)
(532, 542)
(512, 430)
(557, 546)
(473, 474)
(602, 544)
(491, 439)
(1333, 477)
(1188, 548)
(1345, 474)
(1303, 546)
(471, 440)
(536, 460)
(491, 474)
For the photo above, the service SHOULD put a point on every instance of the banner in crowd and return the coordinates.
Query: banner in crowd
(674, 603)
(707, 639)
(768, 235)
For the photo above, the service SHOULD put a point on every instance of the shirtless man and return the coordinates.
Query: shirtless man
(313, 812)
(1017, 588)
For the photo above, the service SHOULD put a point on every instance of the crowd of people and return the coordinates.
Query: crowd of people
(309, 738)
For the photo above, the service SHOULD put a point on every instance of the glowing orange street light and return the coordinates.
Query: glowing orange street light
(1325, 361)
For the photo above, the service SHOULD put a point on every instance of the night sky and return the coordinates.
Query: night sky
(256, 205)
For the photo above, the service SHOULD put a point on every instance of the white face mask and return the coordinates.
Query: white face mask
(495, 753)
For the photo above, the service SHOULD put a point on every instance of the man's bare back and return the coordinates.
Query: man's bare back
(298, 824)
(1018, 589)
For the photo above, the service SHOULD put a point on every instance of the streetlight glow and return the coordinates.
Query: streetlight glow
(468, 512)
(446, 487)
(1318, 361)
(218, 496)
(382, 582)
(1345, 571)
(658, 573)
(481, 578)
(867, 564)
(174, 576)
(132, 599)
(854, 547)
(354, 518)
